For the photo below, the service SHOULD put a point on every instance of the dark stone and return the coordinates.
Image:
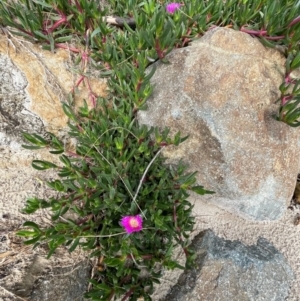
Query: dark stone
(231, 271)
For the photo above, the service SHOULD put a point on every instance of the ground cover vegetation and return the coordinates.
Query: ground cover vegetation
(132, 209)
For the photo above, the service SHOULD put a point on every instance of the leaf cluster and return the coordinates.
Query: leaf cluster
(98, 183)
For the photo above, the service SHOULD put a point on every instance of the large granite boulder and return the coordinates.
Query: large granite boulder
(222, 92)
(231, 271)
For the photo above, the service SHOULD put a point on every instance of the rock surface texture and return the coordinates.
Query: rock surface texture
(231, 271)
(222, 92)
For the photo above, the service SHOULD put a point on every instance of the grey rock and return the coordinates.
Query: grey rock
(14, 114)
(4, 242)
(222, 92)
(231, 271)
(36, 278)
(68, 284)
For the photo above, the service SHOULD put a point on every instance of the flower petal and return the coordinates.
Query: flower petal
(132, 223)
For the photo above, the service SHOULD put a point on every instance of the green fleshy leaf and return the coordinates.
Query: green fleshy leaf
(43, 165)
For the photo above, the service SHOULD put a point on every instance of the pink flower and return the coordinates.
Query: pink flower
(132, 223)
(172, 7)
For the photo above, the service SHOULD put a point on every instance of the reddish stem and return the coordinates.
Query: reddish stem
(107, 66)
(254, 32)
(92, 95)
(148, 256)
(275, 38)
(111, 295)
(175, 216)
(128, 294)
(80, 128)
(163, 143)
(78, 6)
(261, 33)
(296, 20)
(86, 228)
(138, 86)
(185, 252)
(83, 220)
(285, 99)
(73, 154)
(79, 81)
(85, 56)
(56, 24)
(159, 52)
(27, 32)
(186, 39)
(63, 46)
(208, 17)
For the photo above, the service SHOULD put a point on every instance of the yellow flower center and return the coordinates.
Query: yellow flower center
(133, 222)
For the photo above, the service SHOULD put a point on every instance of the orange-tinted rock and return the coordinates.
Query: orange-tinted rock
(47, 79)
(33, 85)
